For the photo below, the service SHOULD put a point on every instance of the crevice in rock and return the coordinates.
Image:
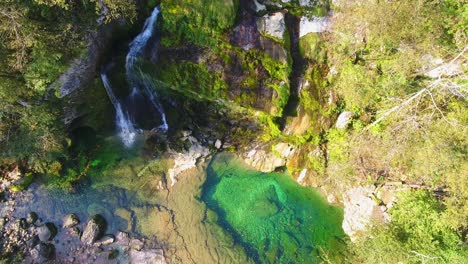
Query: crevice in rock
(298, 62)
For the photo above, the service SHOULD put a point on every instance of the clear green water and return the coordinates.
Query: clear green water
(275, 219)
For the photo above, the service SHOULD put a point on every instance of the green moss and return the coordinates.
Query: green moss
(193, 80)
(26, 181)
(200, 22)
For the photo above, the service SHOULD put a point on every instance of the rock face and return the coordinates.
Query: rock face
(187, 160)
(94, 229)
(272, 25)
(267, 161)
(46, 232)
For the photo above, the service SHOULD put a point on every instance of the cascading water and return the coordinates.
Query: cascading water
(127, 131)
(141, 86)
(136, 77)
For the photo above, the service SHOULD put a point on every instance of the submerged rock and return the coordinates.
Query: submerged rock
(42, 252)
(70, 220)
(46, 232)
(151, 256)
(32, 218)
(94, 229)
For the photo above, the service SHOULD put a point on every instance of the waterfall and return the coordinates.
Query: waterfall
(125, 127)
(136, 77)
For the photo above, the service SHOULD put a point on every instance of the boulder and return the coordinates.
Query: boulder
(32, 218)
(359, 209)
(46, 232)
(272, 25)
(106, 240)
(94, 229)
(42, 252)
(343, 119)
(70, 221)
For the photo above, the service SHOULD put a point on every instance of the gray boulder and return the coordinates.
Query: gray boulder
(46, 232)
(94, 230)
(272, 25)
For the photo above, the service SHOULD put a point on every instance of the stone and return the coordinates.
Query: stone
(43, 252)
(218, 144)
(94, 229)
(32, 242)
(187, 160)
(75, 231)
(136, 244)
(151, 256)
(70, 221)
(343, 119)
(46, 232)
(32, 218)
(267, 161)
(107, 240)
(359, 209)
(272, 25)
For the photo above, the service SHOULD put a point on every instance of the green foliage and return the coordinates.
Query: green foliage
(417, 233)
(200, 22)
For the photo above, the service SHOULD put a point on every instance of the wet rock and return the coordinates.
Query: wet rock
(32, 218)
(75, 231)
(106, 240)
(46, 232)
(42, 252)
(23, 224)
(70, 220)
(343, 119)
(152, 256)
(94, 229)
(136, 244)
(34, 241)
(272, 25)
(113, 254)
(3, 221)
(187, 160)
(123, 238)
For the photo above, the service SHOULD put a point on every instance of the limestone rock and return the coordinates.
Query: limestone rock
(359, 209)
(70, 220)
(267, 161)
(272, 25)
(343, 119)
(186, 161)
(42, 252)
(94, 229)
